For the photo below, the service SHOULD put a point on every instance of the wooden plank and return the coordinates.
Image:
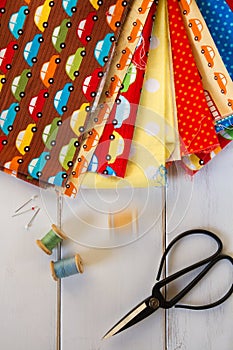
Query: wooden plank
(114, 280)
(204, 201)
(27, 293)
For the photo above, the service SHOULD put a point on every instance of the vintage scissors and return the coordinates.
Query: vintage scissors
(156, 300)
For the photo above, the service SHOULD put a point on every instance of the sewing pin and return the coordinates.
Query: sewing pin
(25, 211)
(28, 201)
(29, 224)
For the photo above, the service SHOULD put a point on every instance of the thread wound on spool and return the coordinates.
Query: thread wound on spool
(66, 267)
(126, 220)
(59, 232)
(51, 239)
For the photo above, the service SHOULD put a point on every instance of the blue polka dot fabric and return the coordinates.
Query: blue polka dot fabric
(219, 19)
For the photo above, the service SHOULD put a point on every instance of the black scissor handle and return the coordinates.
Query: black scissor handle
(199, 263)
(166, 304)
(212, 259)
(198, 278)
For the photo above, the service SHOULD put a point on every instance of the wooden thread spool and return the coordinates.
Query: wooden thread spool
(66, 267)
(51, 239)
(124, 221)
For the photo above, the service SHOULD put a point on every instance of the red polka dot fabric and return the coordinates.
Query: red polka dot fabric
(195, 122)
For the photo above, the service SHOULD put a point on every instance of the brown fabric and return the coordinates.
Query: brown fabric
(89, 63)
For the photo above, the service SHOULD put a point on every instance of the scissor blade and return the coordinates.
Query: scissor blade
(136, 315)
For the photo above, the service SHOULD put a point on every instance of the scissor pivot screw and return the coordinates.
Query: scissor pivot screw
(153, 303)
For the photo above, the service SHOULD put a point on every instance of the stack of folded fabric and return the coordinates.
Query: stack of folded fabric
(109, 93)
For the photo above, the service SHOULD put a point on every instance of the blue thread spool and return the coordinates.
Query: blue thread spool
(66, 267)
(51, 239)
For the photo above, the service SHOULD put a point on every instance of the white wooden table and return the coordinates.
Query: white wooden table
(115, 279)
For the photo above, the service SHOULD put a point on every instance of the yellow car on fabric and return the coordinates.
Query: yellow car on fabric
(96, 3)
(24, 138)
(193, 162)
(78, 118)
(42, 15)
(2, 81)
(116, 147)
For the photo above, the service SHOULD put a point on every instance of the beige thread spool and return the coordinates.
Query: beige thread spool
(51, 239)
(124, 221)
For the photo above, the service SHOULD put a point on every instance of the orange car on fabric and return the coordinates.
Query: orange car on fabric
(136, 31)
(126, 58)
(145, 5)
(70, 190)
(12, 166)
(92, 140)
(222, 81)
(80, 167)
(114, 86)
(230, 103)
(209, 54)
(114, 14)
(185, 6)
(102, 115)
(196, 27)
(48, 70)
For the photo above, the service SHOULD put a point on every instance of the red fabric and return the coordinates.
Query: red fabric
(195, 123)
(230, 4)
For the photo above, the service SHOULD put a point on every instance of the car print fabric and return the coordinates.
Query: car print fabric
(213, 12)
(81, 83)
(126, 46)
(121, 121)
(53, 57)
